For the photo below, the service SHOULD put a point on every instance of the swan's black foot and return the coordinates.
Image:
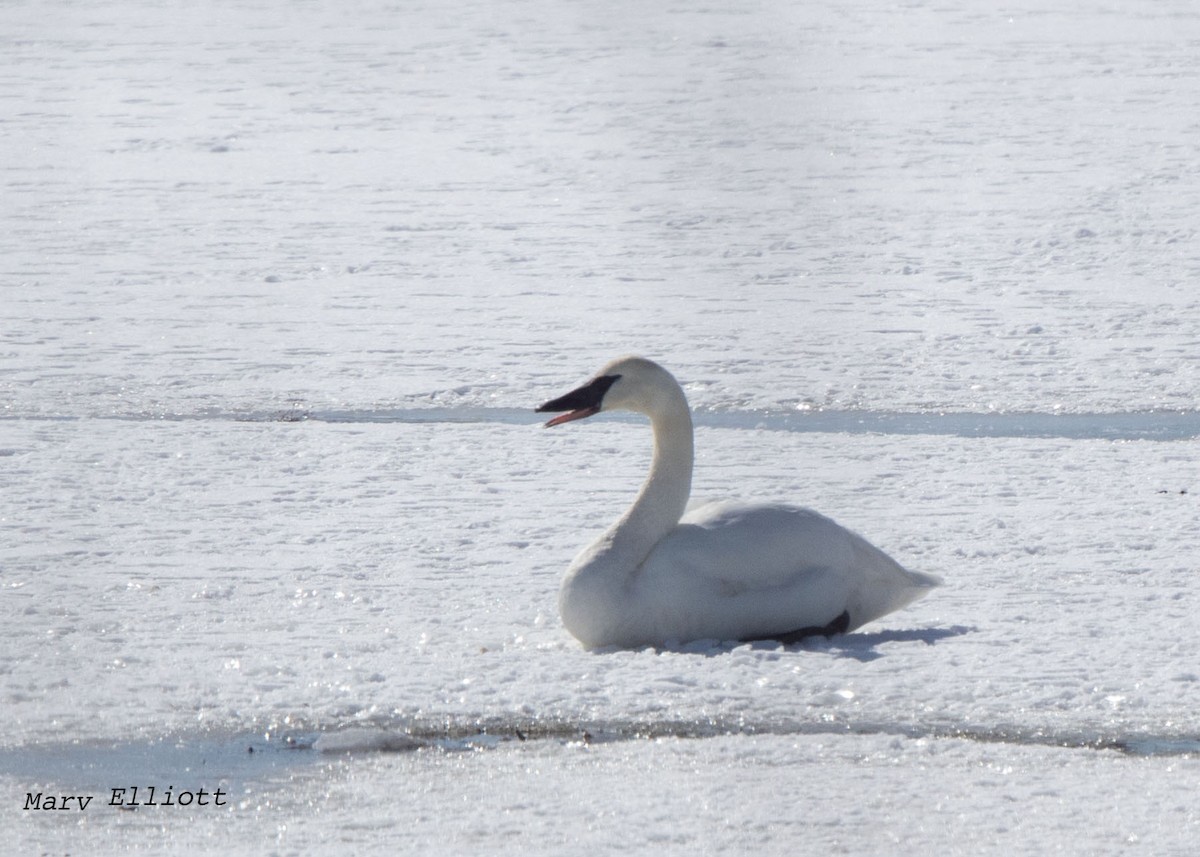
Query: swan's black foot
(837, 626)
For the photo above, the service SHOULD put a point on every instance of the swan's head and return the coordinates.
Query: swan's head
(625, 384)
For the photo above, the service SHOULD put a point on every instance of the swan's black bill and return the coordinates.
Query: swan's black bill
(579, 403)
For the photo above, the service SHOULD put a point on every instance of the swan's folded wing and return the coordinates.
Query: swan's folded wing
(746, 572)
(740, 571)
(755, 546)
(785, 538)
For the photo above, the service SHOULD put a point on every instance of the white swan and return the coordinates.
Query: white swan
(724, 571)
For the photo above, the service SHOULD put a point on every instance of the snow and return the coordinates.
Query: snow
(283, 282)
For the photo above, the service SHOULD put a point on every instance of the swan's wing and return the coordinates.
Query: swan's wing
(756, 546)
(770, 569)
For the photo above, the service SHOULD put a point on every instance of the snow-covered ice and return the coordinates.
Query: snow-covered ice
(283, 282)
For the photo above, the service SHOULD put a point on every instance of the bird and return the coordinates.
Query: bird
(665, 574)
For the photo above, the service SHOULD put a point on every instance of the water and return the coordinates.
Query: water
(1162, 426)
(1154, 426)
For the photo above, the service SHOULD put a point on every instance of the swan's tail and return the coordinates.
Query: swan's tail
(921, 580)
(886, 585)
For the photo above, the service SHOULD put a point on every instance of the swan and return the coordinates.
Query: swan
(664, 574)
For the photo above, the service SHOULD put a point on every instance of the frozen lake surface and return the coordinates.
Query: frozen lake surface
(282, 284)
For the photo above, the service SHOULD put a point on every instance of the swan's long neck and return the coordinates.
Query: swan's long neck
(595, 597)
(664, 496)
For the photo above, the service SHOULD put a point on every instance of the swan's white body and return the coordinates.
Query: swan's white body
(725, 571)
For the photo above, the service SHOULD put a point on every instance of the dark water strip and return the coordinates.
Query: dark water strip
(1133, 425)
(1140, 425)
(415, 734)
(192, 762)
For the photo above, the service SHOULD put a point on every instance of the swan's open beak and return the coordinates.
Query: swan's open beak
(582, 413)
(579, 403)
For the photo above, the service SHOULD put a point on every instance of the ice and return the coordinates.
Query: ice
(282, 284)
